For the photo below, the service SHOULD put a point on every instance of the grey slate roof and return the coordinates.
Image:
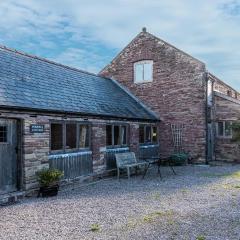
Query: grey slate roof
(33, 83)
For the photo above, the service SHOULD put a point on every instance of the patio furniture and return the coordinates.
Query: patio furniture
(159, 161)
(127, 161)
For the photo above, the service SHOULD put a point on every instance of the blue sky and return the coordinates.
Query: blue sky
(88, 34)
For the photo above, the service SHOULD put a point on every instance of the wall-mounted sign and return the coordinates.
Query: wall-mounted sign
(36, 128)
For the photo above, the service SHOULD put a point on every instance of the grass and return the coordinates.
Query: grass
(200, 238)
(95, 227)
(150, 218)
(235, 175)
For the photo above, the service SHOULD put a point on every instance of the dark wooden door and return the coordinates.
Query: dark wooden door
(8, 155)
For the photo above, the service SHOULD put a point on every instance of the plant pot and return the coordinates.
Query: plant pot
(48, 191)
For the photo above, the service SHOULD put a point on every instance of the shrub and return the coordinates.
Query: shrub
(47, 177)
(179, 159)
(95, 227)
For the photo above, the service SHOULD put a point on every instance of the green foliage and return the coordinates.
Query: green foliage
(200, 238)
(47, 177)
(95, 227)
(179, 158)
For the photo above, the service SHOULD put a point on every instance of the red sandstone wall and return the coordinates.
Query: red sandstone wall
(177, 93)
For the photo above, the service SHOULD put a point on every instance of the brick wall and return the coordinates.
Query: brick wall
(226, 109)
(177, 93)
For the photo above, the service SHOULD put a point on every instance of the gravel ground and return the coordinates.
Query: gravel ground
(199, 203)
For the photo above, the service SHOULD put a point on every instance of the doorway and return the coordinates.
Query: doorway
(9, 155)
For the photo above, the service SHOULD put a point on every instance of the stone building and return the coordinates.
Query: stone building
(151, 99)
(56, 116)
(178, 87)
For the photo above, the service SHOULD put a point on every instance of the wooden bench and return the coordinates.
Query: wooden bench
(127, 160)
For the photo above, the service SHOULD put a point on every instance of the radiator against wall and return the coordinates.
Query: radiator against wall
(73, 165)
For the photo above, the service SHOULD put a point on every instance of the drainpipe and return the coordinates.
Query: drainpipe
(206, 116)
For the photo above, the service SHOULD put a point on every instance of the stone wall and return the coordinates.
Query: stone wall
(177, 93)
(36, 146)
(226, 109)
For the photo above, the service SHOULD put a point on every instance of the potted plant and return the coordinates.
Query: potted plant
(49, 182)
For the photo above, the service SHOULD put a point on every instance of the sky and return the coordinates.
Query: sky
(88, 34)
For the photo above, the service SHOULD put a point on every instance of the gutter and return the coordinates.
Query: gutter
(107, 117)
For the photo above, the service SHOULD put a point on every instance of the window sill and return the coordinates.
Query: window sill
(147, 81)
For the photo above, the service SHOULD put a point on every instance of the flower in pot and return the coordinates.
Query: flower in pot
(49, 181)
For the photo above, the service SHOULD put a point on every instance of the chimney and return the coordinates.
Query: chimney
(144, 29)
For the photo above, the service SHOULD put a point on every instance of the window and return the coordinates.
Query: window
(84, 136)
(148, 134)
(56, 136)
(224, 129)
(143, 71)
(116, 135)
(69, 136)
(3, 134)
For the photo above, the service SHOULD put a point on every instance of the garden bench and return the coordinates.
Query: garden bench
(127, 160)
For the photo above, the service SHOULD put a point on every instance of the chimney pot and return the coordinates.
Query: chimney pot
(144, 29)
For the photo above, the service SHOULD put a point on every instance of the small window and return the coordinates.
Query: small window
(56, 136)
(69, 136)
(3, 134)
(224, 129)
(148, 134)
(116, 135)
(143, 71)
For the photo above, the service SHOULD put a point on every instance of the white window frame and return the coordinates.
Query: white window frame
(143, 63)
(224, 130)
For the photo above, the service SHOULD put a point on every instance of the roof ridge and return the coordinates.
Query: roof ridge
(214, 76)
(145, 32)
(46, 60)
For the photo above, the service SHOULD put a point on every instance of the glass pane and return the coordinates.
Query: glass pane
(56, 136)
(220, 128)
(154, 134)
(141, 134)
(148, 134)
(109, 135)
(117, 139)
(228, 129)
(3, 134)
(148, 72)
(71, 135)
(83, 136)
(139, 72)
(124, 135)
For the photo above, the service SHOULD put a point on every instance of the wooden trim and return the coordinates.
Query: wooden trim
(72, 150)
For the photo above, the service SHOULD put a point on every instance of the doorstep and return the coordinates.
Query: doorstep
(10, 198)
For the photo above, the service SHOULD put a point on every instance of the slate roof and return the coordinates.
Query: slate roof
(29, 82)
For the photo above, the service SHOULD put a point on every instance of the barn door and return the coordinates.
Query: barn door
(8, 155)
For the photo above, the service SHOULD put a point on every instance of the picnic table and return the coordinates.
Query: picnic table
(158, 160)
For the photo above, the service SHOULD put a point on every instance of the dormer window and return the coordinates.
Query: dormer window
(143, 71)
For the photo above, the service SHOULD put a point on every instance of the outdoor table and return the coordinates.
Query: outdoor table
(159, 161)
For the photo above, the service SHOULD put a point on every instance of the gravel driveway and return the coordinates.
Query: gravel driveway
(199, 203)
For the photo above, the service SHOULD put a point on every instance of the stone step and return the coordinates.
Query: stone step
(11, 198)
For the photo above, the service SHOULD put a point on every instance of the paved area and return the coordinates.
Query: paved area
(199, 203)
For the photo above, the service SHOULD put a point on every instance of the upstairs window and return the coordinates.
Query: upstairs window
(116, 135)
(224, 129)
(148, 134)
(143, 71)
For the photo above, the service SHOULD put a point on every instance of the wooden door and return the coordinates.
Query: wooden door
(8, 155)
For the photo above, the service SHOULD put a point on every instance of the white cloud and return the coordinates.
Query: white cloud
(80, 33)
